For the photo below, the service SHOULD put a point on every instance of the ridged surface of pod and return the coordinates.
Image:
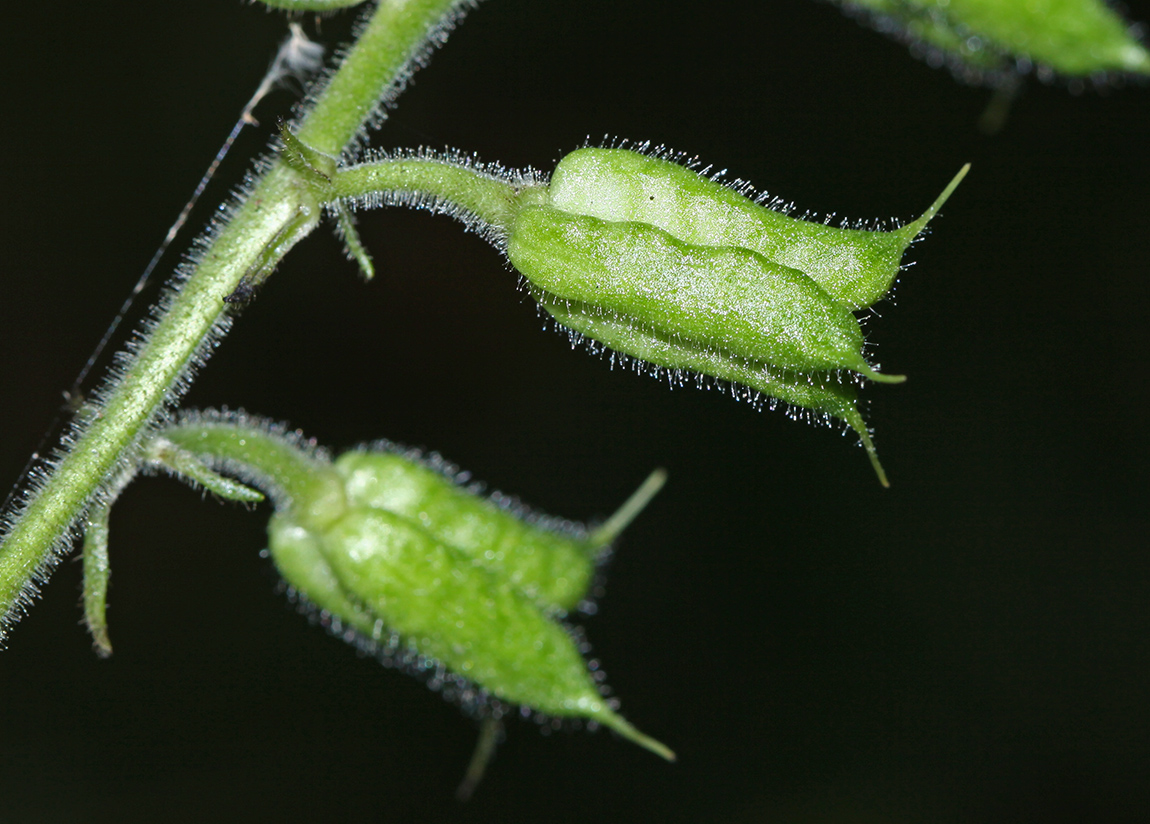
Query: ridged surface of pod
(719, 298)
(552, 566)
(299, 557)
(855, 267)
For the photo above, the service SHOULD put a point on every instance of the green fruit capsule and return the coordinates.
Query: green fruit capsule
(392, 554)
(379, 572)
(666, 266)
(855, 267)
(715, 298)
(551, 561)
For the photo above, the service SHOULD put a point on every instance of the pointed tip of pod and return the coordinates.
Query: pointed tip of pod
(882, 377)
(608, 718)
(874, 462)
(869, 372)
(912, 230)
(854, 421)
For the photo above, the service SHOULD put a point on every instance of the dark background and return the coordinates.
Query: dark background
(970, 645)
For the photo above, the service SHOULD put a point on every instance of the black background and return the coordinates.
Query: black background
(970, 645)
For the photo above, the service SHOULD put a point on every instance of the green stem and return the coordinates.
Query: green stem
(492, 197)
(104, 440)
(263, 454)
(397, 39)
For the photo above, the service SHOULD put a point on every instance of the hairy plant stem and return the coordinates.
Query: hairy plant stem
(263, 454)
(492, 200)
(102, 442)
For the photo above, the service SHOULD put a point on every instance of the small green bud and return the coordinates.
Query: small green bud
(856, 267)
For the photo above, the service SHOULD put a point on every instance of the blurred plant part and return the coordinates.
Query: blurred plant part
(987, 41)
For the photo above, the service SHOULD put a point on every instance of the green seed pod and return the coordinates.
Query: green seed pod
(430, 606)
(670, 268)
(856, 267)
(361, 541)
(1075, 38)
(550, 560)
(666, 266)
(469, 620)
(718, 298)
